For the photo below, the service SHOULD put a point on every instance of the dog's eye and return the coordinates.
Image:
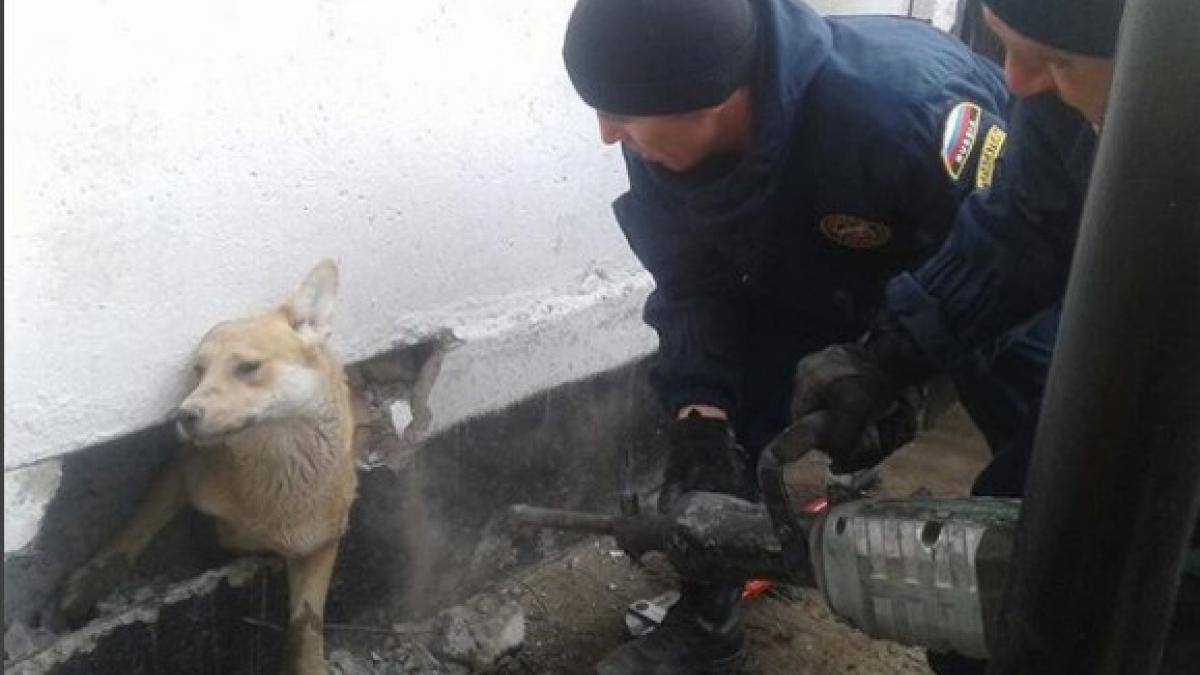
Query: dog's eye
(247, 368)
(198, 370)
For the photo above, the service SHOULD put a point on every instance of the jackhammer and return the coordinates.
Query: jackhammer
(921, 571)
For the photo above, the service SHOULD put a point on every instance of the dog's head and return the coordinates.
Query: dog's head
(268, 368)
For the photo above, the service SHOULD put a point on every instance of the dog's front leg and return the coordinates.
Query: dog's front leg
(107, 568)
(308, 583)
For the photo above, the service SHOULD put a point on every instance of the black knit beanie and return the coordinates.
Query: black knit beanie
(1087, 27)
(659, 57)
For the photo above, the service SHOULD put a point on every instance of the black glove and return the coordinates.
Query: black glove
(704, 457)
(869, 389)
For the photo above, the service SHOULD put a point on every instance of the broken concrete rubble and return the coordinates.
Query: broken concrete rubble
(474, 637)
(480, 632)
(391, 400)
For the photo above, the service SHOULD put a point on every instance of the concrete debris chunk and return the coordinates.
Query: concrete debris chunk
(479, 633)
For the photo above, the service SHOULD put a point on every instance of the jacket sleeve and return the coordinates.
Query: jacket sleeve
(697, 307)
(1007, 256)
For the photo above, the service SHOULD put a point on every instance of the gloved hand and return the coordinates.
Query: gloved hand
(703, 456)
(869, 389)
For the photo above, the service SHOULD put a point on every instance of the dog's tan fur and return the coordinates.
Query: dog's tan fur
(270, 459)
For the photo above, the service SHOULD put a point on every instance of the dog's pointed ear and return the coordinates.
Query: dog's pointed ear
(310, 309)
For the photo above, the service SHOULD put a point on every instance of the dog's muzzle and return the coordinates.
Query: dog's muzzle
(186, 420)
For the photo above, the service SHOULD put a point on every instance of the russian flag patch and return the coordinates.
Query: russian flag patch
(958, 137)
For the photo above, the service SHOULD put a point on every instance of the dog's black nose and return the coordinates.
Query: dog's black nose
(186, 418)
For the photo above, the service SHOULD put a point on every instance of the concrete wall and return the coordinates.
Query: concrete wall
(168, 165)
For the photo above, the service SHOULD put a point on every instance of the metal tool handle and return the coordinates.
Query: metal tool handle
(561, 519)
(636, 535)
(790, 528)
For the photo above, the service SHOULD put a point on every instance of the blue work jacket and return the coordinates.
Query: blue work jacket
(868, 134)
(1008, 256)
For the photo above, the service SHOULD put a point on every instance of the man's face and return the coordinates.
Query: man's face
(1083, 82)
(675, 142)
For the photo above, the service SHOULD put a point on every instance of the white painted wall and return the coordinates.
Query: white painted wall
(939, 12)
(861, 6)
(170, 164)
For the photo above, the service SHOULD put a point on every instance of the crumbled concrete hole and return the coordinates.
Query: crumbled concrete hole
(401, 377)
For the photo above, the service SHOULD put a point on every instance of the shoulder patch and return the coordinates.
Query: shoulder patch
(958, 137)
(993, 143)
(854, 232)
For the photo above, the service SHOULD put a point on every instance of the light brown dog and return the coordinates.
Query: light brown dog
(270, 433)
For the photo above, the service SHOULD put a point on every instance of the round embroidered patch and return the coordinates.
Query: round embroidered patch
(854, 232)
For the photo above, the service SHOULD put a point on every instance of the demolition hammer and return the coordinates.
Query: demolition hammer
(921, 571)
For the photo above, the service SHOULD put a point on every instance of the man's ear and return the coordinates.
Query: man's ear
(310, 309)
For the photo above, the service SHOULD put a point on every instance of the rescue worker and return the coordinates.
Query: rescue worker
(1008, 256)
(782, 167)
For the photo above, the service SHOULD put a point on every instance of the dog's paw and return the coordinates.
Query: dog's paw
(89, 584)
